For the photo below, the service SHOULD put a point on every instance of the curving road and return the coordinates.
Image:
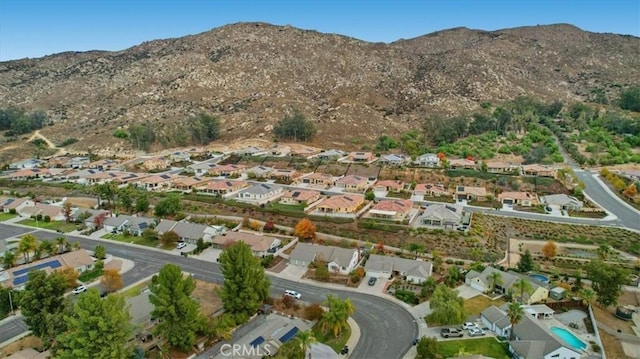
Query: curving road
(387, 328)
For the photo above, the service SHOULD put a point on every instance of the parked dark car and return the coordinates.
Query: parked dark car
(345, 350)
(372, 281)
(451, 332)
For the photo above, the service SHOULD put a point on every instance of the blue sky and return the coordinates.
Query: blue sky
(34, 28)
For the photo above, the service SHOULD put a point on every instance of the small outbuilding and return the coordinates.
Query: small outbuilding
(558, 293)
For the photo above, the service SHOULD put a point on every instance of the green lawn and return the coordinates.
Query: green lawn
(89, 276)
(61, 226)
(131, 239)
(327, 338)
(489, 347)
(477, 304)
(135, 290)
(6, 216)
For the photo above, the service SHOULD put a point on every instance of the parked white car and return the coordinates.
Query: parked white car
(476, 332)
(181, 245)
(80, 289)
(292, 293)
(469, 325)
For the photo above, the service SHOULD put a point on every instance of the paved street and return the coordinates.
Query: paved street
(387, 328)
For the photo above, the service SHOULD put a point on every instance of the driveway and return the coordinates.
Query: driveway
(376, 289)
(210, 254)
(466, 292)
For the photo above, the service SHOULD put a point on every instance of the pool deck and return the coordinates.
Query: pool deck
(563, 320)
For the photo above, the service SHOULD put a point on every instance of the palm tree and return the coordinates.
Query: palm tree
(588, 296)
(46, 247)
(335, 318)
(60, 241)
(306, 339)
(9, 259)
(28, 243)
(515, 312)
(495, 278)
(522, 286)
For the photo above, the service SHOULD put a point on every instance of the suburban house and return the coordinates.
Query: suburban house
(188, 232)
(104, 165)
(57, 162)
(318, 179)
(133, 224)
(180, 156)
(252, 151)
(462, 164)
(29, 173)
(430, 160)
(17, 277)
(279, 150)
(221, 188)
(345, 204)
(538, 170)
(25, 164)
(159, 182)
(534, 340)
(55, 213)
(525, 199)
(442, 215)
(156, 164)
(361, 157)
(77, 162)
(299, 197)
(120, 178)
(431, 190)
(394, 209)
(202, 168)
(471, 193)
(260, 245)
(303, 152)
(481, 282)
(496, 320)
(17, 204)
(389, 186)
(500, 167)
(331, 155)
(340, 260)
(186, 184)
(96, 218)
(259, 172)
(352, 183)
(566, 202)
(260, 193)
(285, 175)
(227, 170)
(394, 160)
(413, 271)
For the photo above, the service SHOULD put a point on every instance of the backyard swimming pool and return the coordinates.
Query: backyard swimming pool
(539, 277)
(569, 338)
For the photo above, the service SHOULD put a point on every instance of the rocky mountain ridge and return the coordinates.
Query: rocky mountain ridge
(251, 74)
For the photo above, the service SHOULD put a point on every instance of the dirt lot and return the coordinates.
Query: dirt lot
(206, 294)
(26, 342)
(612, 345)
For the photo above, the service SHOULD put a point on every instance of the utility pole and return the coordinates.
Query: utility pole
(13, 312)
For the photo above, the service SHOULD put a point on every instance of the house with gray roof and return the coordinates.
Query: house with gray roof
(340, 260)
(188, 232)
(394, 160)
(331, 155)
(430, 160)
(133, 224)
(26, 164)
(252, 151)
(533, 340)
(259, 171)
(566, 202)
(496, 320)
(413, 271)
(442, 215)
(260, 193)
(481, 282)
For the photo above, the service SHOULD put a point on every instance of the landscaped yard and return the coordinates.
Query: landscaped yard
(327, 338)
(56, 226)
(6, 216)
(90, 275)
(488, 347)
(131, 239)
(135, 290)
(477, 304)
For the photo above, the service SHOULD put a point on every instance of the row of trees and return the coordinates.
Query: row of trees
(196, 130)
(17, 122)
(30, 248)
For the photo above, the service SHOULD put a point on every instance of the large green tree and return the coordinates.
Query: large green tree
(515, 312)
(28, 243)
(607, 281)
(169, 206)
(447, 306)
(245, 285)
(526, 262)
(294, 127)
(522, 287)
(427, 348)
(177, 310)
(43, 304)
(97, 328)
(337, 314)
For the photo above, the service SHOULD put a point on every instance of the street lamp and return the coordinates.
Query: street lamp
(13, 312)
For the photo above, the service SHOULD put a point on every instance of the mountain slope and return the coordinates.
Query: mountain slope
(250, 74)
